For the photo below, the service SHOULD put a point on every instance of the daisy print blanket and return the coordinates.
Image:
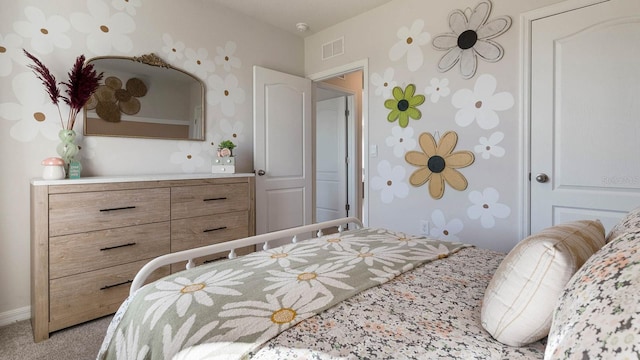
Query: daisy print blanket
(226, 309)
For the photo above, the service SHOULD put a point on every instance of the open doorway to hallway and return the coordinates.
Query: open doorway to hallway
(338, 146)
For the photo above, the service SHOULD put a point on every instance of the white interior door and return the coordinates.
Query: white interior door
(585, 101)
(331, 159)
(282, 150)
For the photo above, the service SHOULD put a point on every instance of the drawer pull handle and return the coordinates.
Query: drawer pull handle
(213, 260)
(114, 285)
(215, 229)
(119, 208)
(117, 246)
(215, 199)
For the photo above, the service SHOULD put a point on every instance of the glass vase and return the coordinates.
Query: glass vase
(67, 149)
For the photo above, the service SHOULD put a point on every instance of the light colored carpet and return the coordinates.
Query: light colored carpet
(80, 342)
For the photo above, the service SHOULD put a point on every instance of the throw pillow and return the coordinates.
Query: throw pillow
(522, 294)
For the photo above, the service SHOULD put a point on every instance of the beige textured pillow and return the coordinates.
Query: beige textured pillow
(520, 299)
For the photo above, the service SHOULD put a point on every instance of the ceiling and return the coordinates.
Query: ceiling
(317, 14)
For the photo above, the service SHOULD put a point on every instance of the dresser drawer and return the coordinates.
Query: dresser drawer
(86, 296)
(190, 201)
(81, 212)
(207, 230)
(72, 254)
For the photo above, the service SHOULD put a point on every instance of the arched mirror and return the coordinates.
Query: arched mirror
(145, 97)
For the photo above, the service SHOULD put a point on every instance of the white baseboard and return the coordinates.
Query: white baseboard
(12, 316)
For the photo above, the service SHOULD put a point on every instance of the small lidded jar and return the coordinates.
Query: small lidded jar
(53, 168)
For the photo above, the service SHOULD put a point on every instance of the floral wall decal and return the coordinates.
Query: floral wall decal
(403, 105)
(401, 140)
(409, 42)
(437, 88)
(437, 163)
(486, 207)
(481, 104)
(390, 182)
(471, 38)
(443, 229)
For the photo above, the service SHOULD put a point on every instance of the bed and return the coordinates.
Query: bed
(368, 293)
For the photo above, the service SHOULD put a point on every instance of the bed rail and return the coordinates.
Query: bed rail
(230, 246)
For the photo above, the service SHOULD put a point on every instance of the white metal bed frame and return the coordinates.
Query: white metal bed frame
(230, 246)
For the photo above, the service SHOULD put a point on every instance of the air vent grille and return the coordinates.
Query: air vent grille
(333, 48)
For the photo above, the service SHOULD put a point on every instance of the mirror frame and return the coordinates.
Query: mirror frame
(151, 60)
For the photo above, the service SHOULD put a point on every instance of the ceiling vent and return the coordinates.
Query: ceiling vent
(333, 48)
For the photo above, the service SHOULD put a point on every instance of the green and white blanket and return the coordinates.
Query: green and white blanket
(226, 309)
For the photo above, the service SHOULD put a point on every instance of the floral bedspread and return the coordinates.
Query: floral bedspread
(230, 308)
(434, 314)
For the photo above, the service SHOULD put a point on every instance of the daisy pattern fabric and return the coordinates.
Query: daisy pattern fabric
(226, 309)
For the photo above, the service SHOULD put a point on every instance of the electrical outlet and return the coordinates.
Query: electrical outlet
(424, 227)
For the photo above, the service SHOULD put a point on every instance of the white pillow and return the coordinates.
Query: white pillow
(520, 299)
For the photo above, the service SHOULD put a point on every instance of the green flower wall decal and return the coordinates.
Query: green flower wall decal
(403, 105)
(437, 163)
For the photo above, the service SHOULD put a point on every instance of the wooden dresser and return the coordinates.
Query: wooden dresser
(90, 236)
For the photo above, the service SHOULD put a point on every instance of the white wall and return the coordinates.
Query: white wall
(402, 206)
(141, 28)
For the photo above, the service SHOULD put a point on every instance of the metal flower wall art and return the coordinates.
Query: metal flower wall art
(404, 105)
(437, 164)
(470, 39)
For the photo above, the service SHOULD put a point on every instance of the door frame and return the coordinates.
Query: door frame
(526, 23)
(351, 147)
(363, 131)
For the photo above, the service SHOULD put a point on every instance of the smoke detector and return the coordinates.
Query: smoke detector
(302, 27)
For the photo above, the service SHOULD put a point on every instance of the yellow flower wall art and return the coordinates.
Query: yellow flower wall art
(404, 105)
(437, 163)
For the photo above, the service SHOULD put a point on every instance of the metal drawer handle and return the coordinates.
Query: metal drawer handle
(215, 199)
(119, 208)
(114, 285)
(212, 260)
(215, 229)
(117, 246)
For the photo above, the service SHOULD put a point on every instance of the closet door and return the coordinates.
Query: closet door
(585, 114)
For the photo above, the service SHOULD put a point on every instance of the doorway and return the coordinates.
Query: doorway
(334, 153)
(339, 166)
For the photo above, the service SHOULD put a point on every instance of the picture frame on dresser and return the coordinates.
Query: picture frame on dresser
(90, 236)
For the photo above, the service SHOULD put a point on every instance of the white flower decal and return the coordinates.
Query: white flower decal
(210, 145)
(481, 104)
(45, 33)
(471, 38)
(198, 63)
(104, 31)
(437, 88)
(188, 156)
(10, 49)
(401, 140)
(182, 292)
(225, 92)
(409, 44)
(174, 50)
(226, 58)
(390, 182)
(489, 147)
(384, 83)
(34, 111)
(486, 207)
(232, 130)
(128, 5)
(443, 229)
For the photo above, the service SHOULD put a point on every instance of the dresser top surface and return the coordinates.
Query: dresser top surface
(135, 178)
